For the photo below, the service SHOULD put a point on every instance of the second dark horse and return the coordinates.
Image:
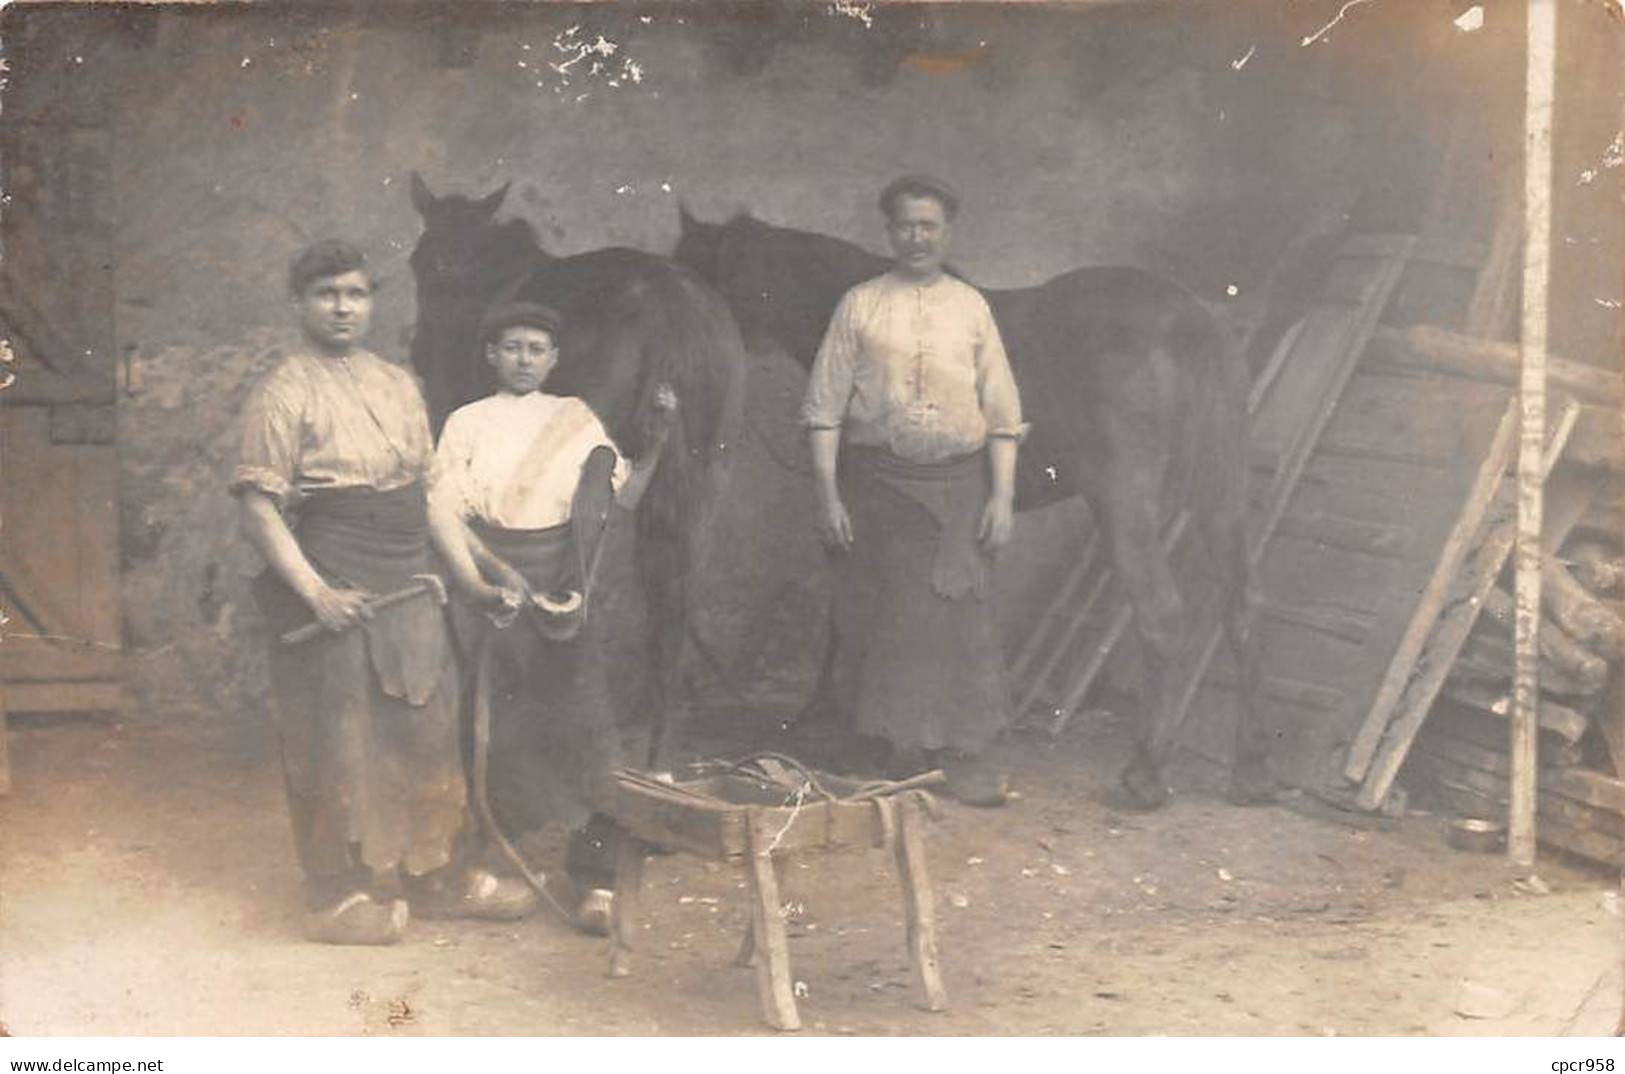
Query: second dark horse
(632, 321)
(1137, 398)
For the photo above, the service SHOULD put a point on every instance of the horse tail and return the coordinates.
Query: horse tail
(699, 352)
(1216, 450)
(690, 341)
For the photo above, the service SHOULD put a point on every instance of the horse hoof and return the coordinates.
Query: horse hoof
(1138, 794)
(1252, 792)
(1251, 783)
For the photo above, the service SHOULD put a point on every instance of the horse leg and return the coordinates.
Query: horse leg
(821, 706)
(1133, 507)
(666, 632)
(1250, 781)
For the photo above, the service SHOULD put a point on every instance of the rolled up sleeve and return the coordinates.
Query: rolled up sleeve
(268, 456)
(829, 384)
(447, 485)
(996, 385)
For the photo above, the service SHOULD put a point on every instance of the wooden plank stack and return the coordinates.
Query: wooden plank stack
(1459, 760)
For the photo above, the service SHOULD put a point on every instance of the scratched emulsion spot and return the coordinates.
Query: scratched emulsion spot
(1324, 30)
(598, 58)
(1470, 20)
(7, 358)
(1612, 157)
(854, 9)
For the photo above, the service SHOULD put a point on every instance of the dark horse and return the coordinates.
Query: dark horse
(1137, 399)
(632, 321)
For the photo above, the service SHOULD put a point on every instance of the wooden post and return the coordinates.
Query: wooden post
(1539, 89)
(918, 912)
(624, 917)
(773, 985)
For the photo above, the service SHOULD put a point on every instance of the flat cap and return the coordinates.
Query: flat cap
(505, 315)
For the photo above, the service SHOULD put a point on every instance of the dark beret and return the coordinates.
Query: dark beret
(505, 315)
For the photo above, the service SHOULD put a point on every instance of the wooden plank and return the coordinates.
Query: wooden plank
(1330, 393)
(1418, 688)
(1296, 694)
(1492, 786)
(1298, 570)
(1491, 759)
(1429, 420)
(1343, 624)
(1575, 786)
(1439, 350)
(1494, 705)
(1353, 534)
(1381, 491)
(1432, 600)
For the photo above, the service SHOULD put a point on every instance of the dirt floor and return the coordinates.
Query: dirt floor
(149, 887)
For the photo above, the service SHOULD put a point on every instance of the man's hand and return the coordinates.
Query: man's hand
(836, 528)
(998, 519)
(338, 609)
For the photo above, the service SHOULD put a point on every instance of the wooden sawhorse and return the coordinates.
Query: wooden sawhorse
(735, 819)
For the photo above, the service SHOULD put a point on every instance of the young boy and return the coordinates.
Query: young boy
(513, 473)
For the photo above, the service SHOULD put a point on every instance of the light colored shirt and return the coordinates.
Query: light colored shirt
(515, 460)
(919, 369)
(317, 422)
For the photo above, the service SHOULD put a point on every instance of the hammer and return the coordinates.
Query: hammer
(424, 584)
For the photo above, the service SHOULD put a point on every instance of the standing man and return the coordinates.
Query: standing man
(914, 421)
(333, 479)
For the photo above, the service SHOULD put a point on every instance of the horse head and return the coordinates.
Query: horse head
(462, 262)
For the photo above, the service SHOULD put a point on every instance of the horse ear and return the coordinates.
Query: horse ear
(493, 201)
(423, 199)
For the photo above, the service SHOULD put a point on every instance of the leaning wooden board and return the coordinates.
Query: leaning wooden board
(1358, 541)
(1412, 681)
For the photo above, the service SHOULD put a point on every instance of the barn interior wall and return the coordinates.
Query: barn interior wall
(1196, 140)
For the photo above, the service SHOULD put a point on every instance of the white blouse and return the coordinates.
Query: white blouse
(515, 460)
(918, 368)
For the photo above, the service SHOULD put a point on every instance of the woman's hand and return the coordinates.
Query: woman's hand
(998, 519)
(338, 609)
(836, 526)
